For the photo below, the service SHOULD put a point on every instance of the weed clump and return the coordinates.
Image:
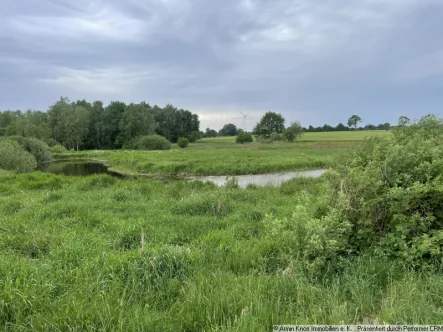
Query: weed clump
(183, 142)
(99, 181)
(209, 206)
(150, 142)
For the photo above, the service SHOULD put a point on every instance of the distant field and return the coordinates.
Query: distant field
(222, 156)
(344, 135)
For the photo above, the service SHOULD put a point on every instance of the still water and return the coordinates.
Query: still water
(83, 168)
(271, 179)
(76, 168)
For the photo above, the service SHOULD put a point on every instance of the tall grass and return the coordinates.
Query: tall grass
(98, 253)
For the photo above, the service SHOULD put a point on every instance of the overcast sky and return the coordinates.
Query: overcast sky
(316, 61)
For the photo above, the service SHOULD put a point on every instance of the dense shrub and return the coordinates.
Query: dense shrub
(292, 132)
(385, 197)
(13, 157)
(151, 142)
(52, 142)
(244, 137)
(40, 150)
(275, 137)
(195, 136)
(182, 142)
(393, 190)
(58, 148)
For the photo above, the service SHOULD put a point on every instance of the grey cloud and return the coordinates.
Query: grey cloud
(317, 62)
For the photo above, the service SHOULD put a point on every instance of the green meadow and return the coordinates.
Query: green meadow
(222, 156)
(360, 244)
(97, 253)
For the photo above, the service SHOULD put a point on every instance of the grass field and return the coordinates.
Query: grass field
(98, 253)
(222, 156)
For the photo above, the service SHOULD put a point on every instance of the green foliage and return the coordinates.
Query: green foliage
(40, 150)
(182, 142)
(13, 157)
(353, 121)
(195, 136)
(110, 124)
(173, 123)
(58, 148)
(244, 137)
(269, 123)
(137, 120)
(210, 133)
(151, 142)
(29, 124)
(228, 130)
(393, 192)
(292, 132)
(403, 121)
(275, 137)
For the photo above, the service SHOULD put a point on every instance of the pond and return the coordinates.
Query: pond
(83, 168)
(76, 168)
(271, 179)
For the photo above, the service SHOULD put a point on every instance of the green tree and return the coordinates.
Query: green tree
(210, 133)
(403, 121)
(293, 131)
(137, 120)
(110, 131)
(57, 114)
(384, 126)
(195, 136)
(76, 126)
(94, 138)
(269, 123)
(341, 127)
(353, 121)
(173, 123)
(228, 130)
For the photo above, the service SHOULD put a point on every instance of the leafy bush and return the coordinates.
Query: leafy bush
(275, 137)
(182, 142)
(195, 136)
(393, 190)
(52, 142)
(151, 142)
(317, 234)
(292, 132)
(13, 157)
(244, 137)
(58, 148)
(385, 197)
(40, 150)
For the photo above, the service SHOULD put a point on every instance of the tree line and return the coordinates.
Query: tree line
(85, 125)
(273, 122)
(353, 122)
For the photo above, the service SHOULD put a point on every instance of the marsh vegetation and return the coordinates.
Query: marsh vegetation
(101, 253)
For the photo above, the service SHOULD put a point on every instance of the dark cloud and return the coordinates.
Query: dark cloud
(317, 62)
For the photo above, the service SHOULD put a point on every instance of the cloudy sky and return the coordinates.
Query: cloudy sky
(313, 61)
